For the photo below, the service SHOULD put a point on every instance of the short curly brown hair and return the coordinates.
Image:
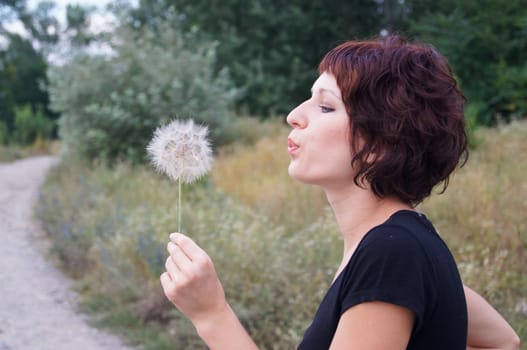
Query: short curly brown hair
(405, 105)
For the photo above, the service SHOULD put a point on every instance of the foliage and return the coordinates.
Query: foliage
(9, 10)
(485, 44)
(271, 47)
(77, 23)
(23, 65)
(41, 24)
(30, 125)
(3, 133)
(23, 57)
(275, 267)
(110, 105)
(22, 76)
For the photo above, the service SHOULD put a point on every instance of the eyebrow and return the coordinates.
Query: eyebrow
(321, 90)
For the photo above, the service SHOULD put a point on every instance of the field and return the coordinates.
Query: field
(274, 242)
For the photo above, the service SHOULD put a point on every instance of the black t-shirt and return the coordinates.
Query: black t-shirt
(403, 262)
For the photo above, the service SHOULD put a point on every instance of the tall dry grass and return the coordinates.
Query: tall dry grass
(274, 242)
(483, 217)
(109, 227)
(257, 177)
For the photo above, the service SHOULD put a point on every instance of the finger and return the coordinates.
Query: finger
(166, 281)
(172, 269)
(179, 258)
(188, 246)
(167, 284)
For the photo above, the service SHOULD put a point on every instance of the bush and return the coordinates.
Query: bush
(110, 105)
(30, 125)
(3, 133)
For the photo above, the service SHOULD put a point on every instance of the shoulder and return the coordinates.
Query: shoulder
(398, 247)
(392, 264)
(403, 233)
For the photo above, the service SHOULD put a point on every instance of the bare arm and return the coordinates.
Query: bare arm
(192, 285)
(359, 327)
(487, 329)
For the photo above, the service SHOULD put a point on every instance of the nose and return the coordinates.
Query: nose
(296, 118)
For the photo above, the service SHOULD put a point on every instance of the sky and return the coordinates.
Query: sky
(97, 20)
(62, 4)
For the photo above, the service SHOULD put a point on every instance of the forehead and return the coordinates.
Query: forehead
(326, 82)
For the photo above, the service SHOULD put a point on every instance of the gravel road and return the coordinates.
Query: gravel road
(37, 305)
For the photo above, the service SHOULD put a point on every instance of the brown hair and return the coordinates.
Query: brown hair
(404, 104)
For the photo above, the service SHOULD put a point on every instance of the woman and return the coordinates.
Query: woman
(384, 126)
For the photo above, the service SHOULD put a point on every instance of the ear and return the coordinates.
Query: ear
(376, 153)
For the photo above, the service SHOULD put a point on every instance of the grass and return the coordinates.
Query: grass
(9, 153)
(109, 226)
(483, 218)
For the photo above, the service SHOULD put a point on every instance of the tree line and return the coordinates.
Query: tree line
(262, 54)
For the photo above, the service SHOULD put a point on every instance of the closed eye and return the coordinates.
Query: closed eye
(325, 109)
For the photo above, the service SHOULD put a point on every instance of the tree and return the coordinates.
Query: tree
(42, 26)
(23, 62)
(77, 23)
(110, 105)
(23, 65)
(485, 44)
(271, 47)
(10, 10)
(22, 79)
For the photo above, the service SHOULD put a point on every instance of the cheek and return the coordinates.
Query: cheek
(326, 157)
(338, 155)
(338, 144)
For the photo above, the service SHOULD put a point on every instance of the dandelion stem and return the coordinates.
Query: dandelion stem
(179, 206)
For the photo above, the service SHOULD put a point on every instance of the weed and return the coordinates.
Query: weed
(274, 242)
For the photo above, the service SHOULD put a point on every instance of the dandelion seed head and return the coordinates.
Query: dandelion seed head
(181, 149)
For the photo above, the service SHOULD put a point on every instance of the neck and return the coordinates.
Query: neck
(358, 210)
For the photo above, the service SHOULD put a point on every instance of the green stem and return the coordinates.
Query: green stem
(179, 206)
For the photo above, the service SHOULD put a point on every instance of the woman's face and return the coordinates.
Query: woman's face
(319, 144)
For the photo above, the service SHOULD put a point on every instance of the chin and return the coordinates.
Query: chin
(294, 174)
(300, 176)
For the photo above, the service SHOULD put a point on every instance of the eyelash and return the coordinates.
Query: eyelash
(325, 109)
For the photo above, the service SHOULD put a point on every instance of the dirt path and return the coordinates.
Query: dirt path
(37, 306)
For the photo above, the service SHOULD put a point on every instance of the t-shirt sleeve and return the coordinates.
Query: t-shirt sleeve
(389, 266)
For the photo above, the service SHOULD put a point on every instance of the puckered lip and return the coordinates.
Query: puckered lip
(291, 146)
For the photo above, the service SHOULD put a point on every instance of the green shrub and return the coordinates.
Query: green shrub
(110, 105)
(3, 133)
(30, 125)
(472, 124)
(510, 100)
